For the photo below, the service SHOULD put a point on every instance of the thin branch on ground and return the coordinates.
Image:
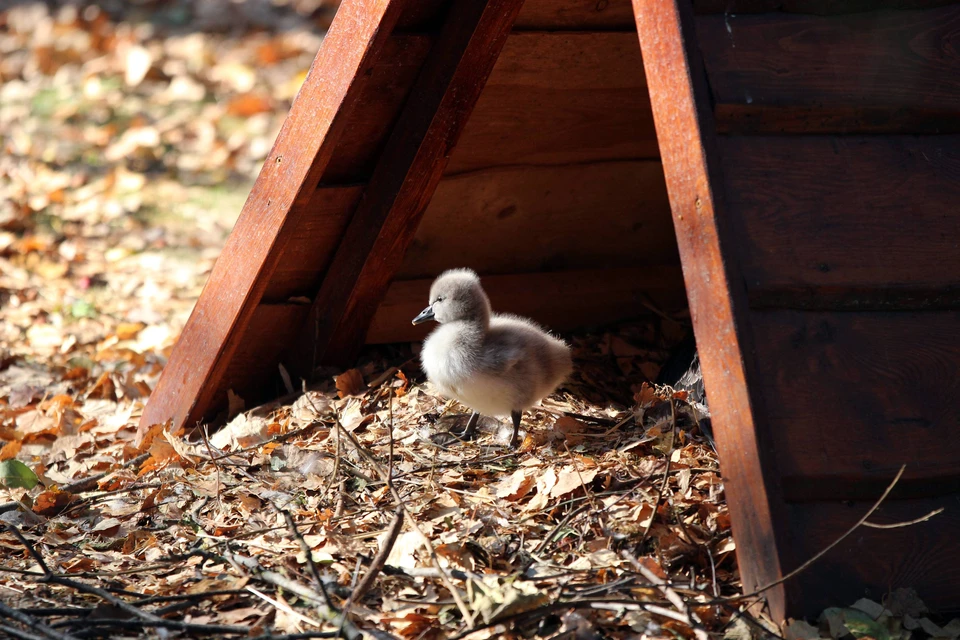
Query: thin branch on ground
(454, 592)
(33, 623)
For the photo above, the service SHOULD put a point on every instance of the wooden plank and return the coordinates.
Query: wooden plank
(927, 556)
(602, 296)
(817, 7)
(851, 397)
(189, 385)
(858, 298)
(571, 15)
(556, 98)
(523, 219)
(682, 111)
(750, 119)
(405, 178)
(312, 243)
(885, 69)
(389, 80)
(867, 212)
(611, 214)
(253, 372)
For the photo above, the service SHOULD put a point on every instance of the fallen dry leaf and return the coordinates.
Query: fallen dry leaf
(350, 383)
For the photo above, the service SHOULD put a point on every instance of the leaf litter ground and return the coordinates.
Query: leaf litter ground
(131, 134)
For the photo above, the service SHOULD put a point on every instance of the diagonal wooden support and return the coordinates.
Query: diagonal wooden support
(405, 179)
(280, 195)
(717, 296)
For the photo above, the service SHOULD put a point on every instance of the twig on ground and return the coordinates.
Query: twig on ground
(50, 576)
(445, 578)
(683, 609)
(666, 473)
(803, 567)
(603, 604)
(283, 606)
(13, 632)
(381, 559)
(33, 623)
(84, 484)
(216, 463)
(907, 523)
(308, 554)
(556, 529)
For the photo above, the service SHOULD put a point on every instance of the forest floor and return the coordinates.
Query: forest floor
(131, 134)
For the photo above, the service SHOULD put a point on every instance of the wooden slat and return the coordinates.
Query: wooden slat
(612, 214)
(312, 243)
(389, 80)
(858, 298)
(873, 212)
(562, 301)
(885, 71)
(818, 7)
(751, 119)
(523, 219)
(927, 557)
(556, 98)
(576, 14)
(406, 176)
(682, 111)
(188, 386)
(850, 397)
(253, 372)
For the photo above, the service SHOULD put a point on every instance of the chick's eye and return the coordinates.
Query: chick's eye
(439, 299)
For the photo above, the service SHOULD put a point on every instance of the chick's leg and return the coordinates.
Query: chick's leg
(471, 427)
(455, 433)
(516, 426)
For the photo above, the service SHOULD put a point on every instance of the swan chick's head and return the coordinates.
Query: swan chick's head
(456, 295)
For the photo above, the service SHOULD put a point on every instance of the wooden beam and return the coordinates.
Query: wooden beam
(682, 113)
(884, 71)
(851, 397)
(816, 7)
(522, 219)
(405, 178)
(926, 557)
(855, 201)
(574, 15)
(561, 301)
(272, 211)
(561, 98)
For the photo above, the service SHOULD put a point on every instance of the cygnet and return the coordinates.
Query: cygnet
(496, 364)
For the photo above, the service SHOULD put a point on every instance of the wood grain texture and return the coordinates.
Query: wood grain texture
(388, 82)
(886, 71)
(569, 15)
(253, 372)
(850, 397)
(752, 119)
(561, 300)
(874, 212)
(310, 248)
(817, 7)
(556, 98)
(858, 298)
(189, 385)
(406, 176)
(523, 219)
(926, 556)
(682, 111)
(600, 215)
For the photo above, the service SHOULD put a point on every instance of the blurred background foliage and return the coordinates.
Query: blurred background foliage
(130, 134)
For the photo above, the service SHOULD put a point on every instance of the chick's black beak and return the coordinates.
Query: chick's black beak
(426, 314)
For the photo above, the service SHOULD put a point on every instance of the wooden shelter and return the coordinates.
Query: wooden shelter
(810, 154)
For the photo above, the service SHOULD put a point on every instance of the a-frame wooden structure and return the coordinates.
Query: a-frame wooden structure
(809, 152)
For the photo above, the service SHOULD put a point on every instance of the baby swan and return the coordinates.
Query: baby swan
(496, 364)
